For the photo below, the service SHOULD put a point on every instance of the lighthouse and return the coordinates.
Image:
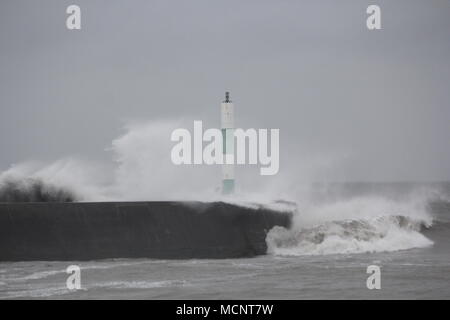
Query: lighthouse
(227, 126)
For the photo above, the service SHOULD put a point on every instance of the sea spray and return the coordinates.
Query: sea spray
(356, 225)
(64, 180)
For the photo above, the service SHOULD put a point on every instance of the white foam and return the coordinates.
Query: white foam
(365, 224)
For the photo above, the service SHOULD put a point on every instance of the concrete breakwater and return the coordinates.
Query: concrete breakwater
(160, 230)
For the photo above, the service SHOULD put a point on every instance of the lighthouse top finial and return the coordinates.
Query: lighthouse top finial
(227, 97)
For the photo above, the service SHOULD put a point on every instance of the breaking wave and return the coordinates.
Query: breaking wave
(358, 225)
(33, 190)
(65, 180)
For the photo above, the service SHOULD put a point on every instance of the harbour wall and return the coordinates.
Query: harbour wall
(51, 231)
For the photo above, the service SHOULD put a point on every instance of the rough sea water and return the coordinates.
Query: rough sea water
(337, 233)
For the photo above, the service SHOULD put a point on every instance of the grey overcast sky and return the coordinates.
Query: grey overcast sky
(380, 99)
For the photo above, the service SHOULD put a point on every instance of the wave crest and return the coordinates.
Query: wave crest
(328, 229)
(350, 236)
(33, 190)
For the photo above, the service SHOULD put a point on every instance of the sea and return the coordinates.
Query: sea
(341, 233)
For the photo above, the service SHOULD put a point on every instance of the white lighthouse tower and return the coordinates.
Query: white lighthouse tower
(227, 125)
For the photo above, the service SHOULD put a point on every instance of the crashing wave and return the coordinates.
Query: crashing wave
(33, 190)
(355, 225)
(382, 234)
